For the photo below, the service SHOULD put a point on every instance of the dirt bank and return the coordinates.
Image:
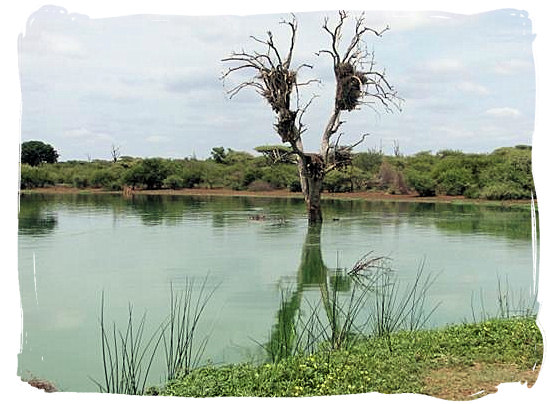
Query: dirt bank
(364, 195)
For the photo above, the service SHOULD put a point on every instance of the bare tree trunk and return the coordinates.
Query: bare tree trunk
(311, 169)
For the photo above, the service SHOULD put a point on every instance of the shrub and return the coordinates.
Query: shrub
(453, 181)
(503, 191)
(472, 192)
(81, 181)
(391, 179)
(149, 172)
(173, 181)
(368, 161)
(337, 181)
(35, 177)
(103, 178)
(259, 186)
(280, 176)
(421, 182)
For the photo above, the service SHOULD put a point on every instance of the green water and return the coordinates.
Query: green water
(74, 247)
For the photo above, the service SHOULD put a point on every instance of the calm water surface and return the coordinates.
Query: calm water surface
(74, 247)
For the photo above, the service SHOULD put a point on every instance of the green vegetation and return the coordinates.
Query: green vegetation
(127, 355)
(35, 152)
(371, 366)
(503, 174)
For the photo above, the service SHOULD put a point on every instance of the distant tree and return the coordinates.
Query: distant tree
(150, 172)
(219, 155)
(277, 153)
(275, 78)
(35, 152)
(115, 153)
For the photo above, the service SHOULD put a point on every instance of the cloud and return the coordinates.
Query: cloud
(87, 135)
(512, 66)
(62, 45)
(445, 65)
(504, 112)
(472, 88)
(157, 139)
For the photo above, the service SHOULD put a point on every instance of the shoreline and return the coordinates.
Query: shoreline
(361, 195)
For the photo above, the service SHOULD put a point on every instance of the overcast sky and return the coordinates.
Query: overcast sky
(150, 84)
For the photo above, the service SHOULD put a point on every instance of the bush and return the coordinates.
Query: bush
(421, 182)
(337, 181)
(280, 176)
(259, 186)
(391, 179)
(472, 192)
(504, 191)
(149, 172)
(35, 177)
(173, 181)
(369, 161)
(103, 178)
(81, 181)
(453, 181)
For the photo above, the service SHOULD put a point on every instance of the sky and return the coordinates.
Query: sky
(150, 84)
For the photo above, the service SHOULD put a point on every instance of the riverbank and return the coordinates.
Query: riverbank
(363, 195)
(459, 362)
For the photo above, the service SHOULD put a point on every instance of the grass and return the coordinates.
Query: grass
(488, 352)
(127, 354)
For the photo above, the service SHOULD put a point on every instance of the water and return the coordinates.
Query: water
(73, 248)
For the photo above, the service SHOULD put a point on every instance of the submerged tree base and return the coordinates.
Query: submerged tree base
(425, 362)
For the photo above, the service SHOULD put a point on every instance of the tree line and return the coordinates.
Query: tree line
(502, 174)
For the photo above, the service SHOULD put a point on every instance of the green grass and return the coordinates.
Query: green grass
(370, 365)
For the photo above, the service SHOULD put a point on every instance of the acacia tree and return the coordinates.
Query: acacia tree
(35, 152)
(358, 82)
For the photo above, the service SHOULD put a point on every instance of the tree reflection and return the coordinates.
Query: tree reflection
(312, 274)
(34, 218)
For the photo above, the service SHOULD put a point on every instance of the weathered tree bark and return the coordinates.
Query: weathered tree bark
(312, 173)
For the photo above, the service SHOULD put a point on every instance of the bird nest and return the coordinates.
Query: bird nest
(348, 86)
(278, 85)
(314, 165)
(341, 156)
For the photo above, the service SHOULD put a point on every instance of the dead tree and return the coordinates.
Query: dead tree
(115, 153)
(358, 82)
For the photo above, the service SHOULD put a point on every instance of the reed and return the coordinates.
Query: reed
(127, 357)
(181, 352)
(395, 310)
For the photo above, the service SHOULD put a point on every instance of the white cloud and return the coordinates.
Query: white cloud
(504, 112)
(472, 88)
(87, 135)
(157, 139)
(62, 44)
(512, 66)
(445, 65)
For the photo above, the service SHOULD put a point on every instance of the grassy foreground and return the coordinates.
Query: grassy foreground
(455, 362)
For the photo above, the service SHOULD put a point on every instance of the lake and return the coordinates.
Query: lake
(74, 248)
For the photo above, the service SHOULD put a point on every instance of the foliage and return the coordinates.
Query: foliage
(421, 182)
(391, 178)
(369, 161)
(501, 175)
(35, 152)
(369, 365)
(33, 177)
(219, 155)
(149, 173)
(337, 181)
